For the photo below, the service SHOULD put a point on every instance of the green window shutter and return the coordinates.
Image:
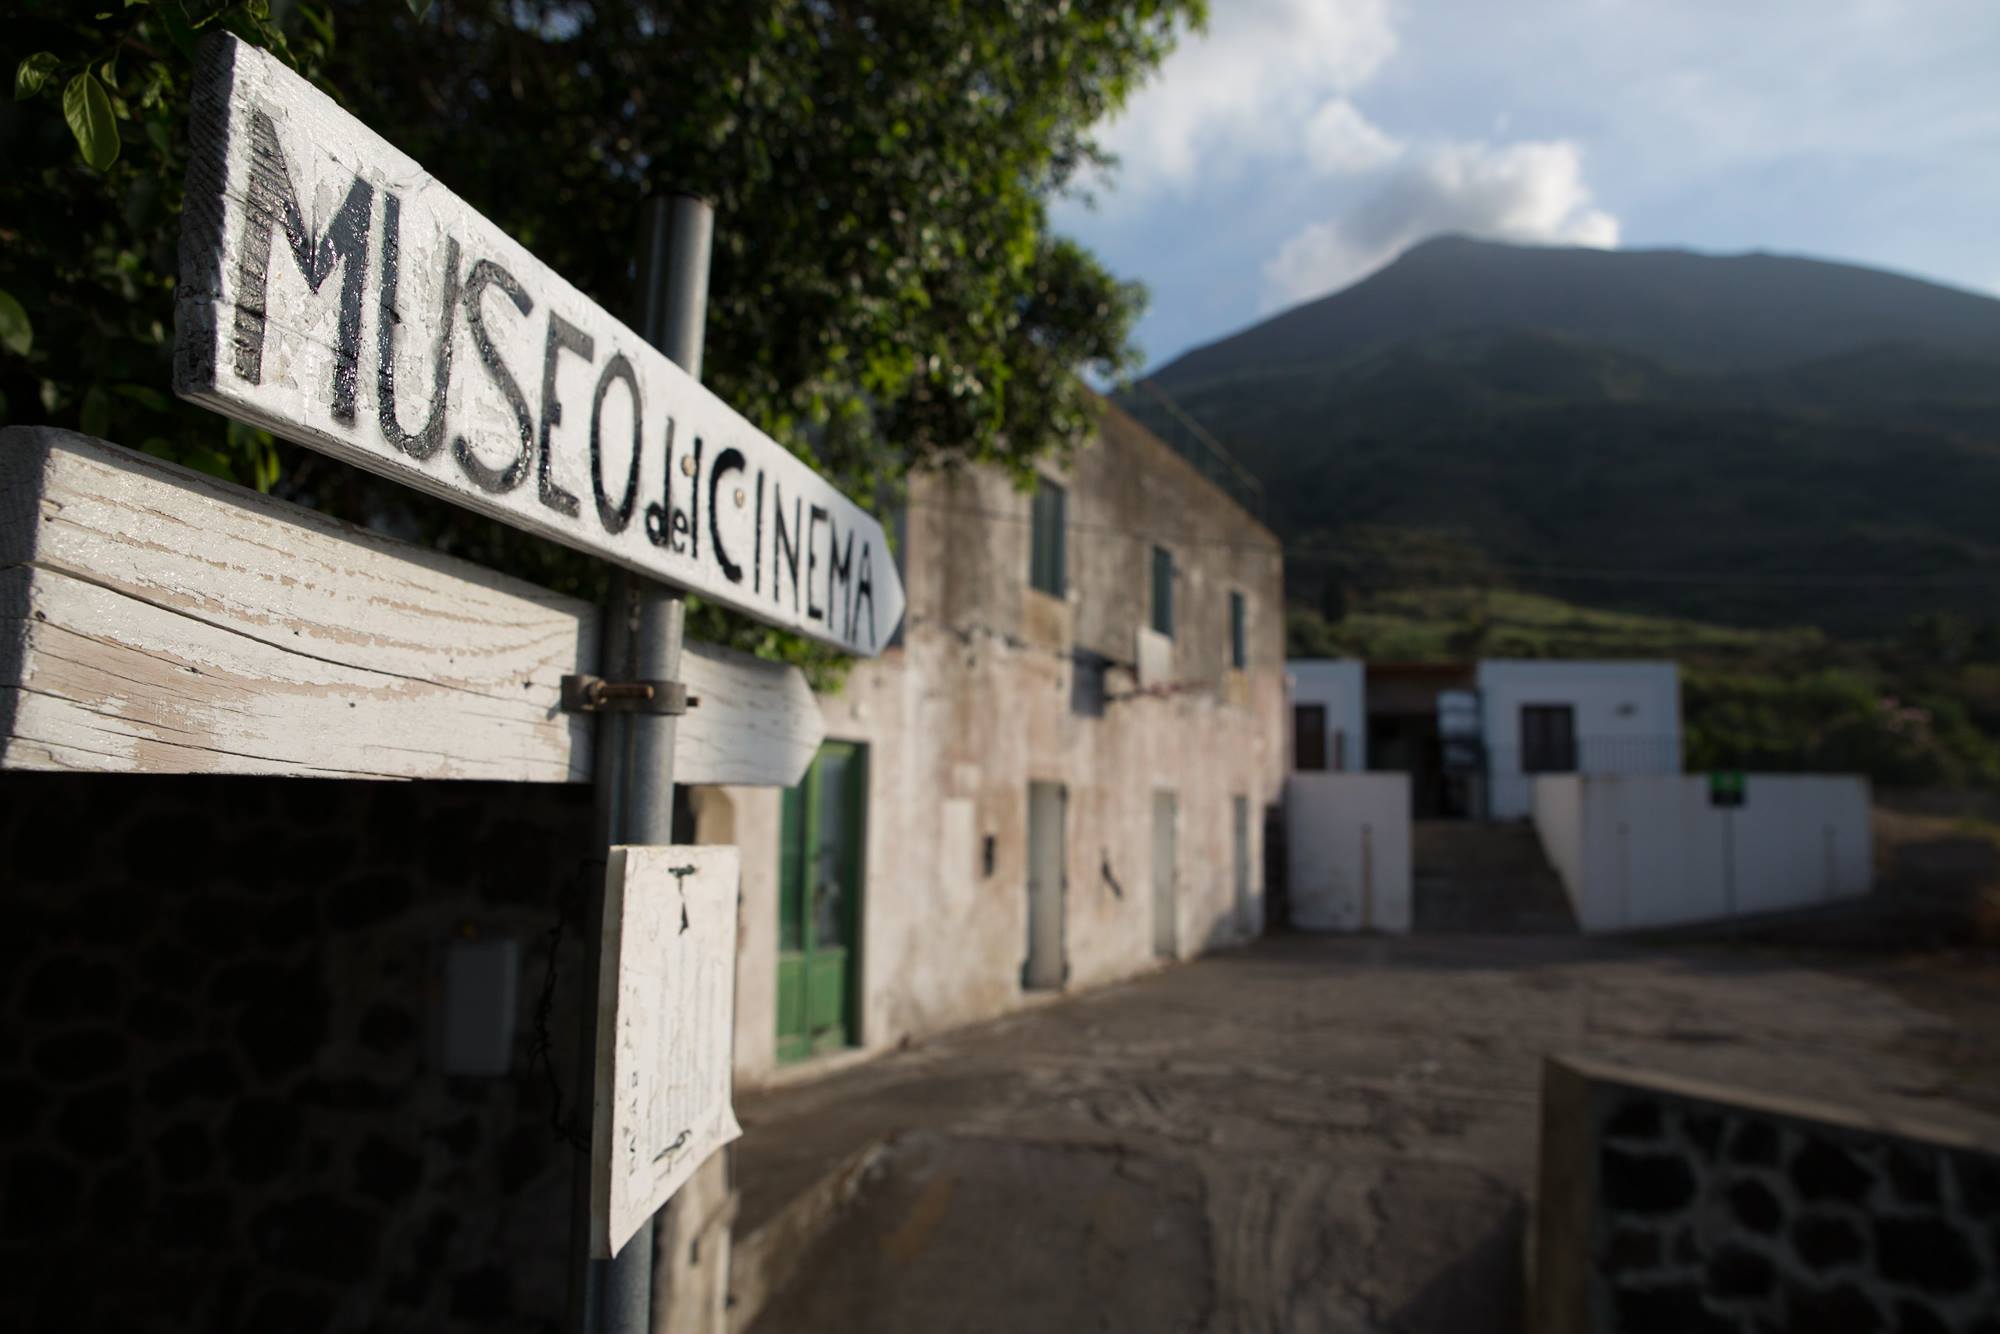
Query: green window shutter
(792, 867)
(1059, 539)
(1163, 591)
(1238, 649)
(1047, 540)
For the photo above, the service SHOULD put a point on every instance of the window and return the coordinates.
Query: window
(1309, 737)
(1239, 651)
(1086, 683)
(1163, 591)
(1047, 546)
(1548, 739)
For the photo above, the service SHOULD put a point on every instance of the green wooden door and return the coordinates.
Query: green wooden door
(819, 903)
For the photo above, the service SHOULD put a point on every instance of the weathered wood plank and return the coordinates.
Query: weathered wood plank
(155, 620)
(666, 998)
(756, 723)
(334, 292)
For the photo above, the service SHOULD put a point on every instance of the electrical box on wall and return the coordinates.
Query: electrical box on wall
(481, 1006)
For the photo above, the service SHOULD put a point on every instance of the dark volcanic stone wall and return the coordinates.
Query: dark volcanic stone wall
(220, 1103)
(1717, 1217)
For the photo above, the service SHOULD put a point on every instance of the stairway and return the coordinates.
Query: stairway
(1487, 878)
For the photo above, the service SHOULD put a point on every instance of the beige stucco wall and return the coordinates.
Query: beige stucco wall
(977, 702)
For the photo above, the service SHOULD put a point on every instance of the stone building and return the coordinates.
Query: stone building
(1057, 777)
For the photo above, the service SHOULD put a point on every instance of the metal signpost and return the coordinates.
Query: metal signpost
(334, 293)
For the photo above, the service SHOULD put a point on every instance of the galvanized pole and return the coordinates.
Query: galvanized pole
(635, 751)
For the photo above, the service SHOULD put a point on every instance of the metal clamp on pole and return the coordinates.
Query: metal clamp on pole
(594, 694)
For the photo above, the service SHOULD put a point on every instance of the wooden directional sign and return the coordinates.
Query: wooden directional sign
(334, 293)
(158, 620)
(666, 1006)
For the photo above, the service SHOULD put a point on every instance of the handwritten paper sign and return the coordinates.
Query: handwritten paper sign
(335, 294)
(666, 1008)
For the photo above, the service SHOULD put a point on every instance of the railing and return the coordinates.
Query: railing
(1194, 442)
(1584, 755)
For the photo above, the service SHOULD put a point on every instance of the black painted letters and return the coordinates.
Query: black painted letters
(563, 337)
(273, 203)
(728, 461)
(614, 518)
(495, 480)
(423, 443)
(818, 517)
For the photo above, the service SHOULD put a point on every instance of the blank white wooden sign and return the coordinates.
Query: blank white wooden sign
(157, 620)
(665, 1021)
(334, 293)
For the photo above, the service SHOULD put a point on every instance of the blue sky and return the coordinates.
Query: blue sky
(1298, 145)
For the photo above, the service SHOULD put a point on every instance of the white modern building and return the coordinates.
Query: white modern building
(1329, 714)
(1472, 736)
(1590, 752)
(1556, 717)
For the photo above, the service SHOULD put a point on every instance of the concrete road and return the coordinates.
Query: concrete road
(1323, 1133)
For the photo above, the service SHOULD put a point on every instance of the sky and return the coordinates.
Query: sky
(1298, 145)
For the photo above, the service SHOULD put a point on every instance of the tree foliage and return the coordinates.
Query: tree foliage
(93, 149)
(885, 292)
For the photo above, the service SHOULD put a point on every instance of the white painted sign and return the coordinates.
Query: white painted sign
(334, 293)
(168, 622)
(666, 1012)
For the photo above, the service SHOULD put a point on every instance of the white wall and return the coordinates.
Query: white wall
(1628, 720)
(1809, 838)
(1649, 850)
(1558, 818)
(1347, 848)
(1341, 685)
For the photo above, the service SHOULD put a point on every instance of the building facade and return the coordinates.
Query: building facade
(1558, 717)
(1058, 777)
(1474, 735)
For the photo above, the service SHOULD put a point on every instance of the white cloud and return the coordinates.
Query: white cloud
(1531, 191)
(1246, 87)
(1341, 141)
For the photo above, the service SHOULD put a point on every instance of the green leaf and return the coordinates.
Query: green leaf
(33, 74)
(17, 335)
(419, 7)
(88, 112)
(179, 30)
(144, 394)
(94, 418)
(319, 21)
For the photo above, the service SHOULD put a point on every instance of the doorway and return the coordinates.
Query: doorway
(1166, 926)
(1045, 968)
(819, 903)
(1240, 844)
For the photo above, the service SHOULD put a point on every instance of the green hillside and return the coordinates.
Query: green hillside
(1783, 472)
(1750, 441)
(1919, 710)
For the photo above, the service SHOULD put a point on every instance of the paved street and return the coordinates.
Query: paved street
(1326, 1133)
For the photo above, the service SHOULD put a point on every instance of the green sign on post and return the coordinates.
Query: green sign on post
(1725, 788)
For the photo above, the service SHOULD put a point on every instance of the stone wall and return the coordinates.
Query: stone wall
(220, 1099)
(1683, 1208)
